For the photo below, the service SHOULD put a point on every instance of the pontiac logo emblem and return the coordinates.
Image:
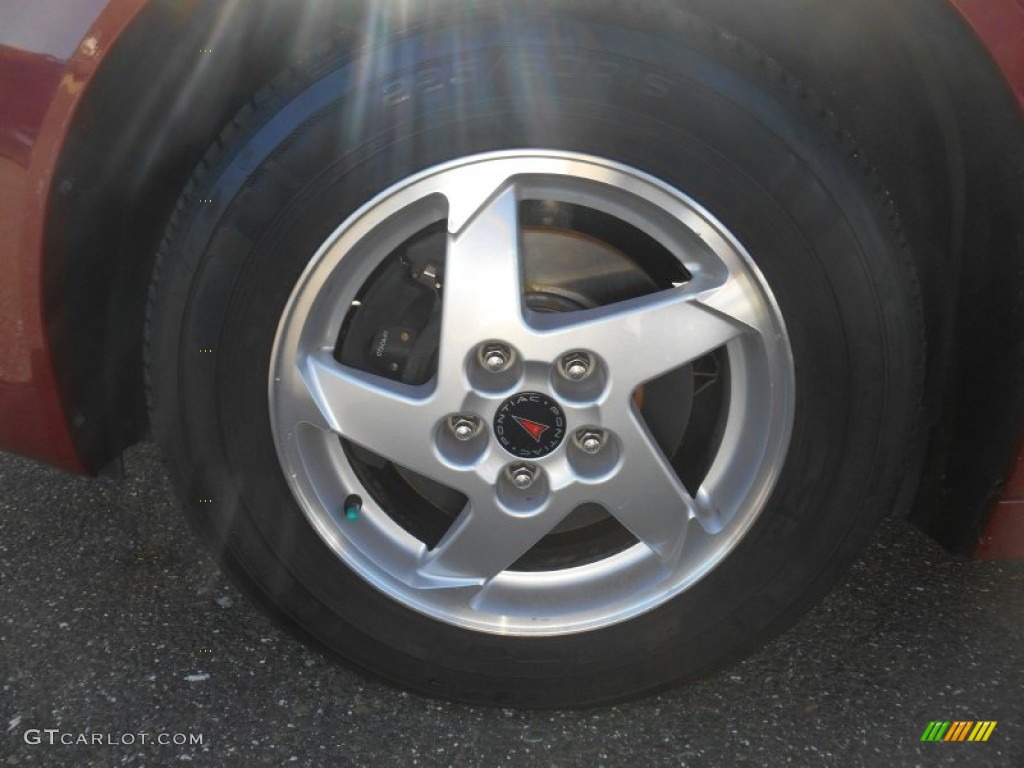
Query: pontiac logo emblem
(534, 429)
(529, 425)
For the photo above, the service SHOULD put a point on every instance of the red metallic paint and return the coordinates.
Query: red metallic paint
(1000, 26)
(41, 91)
(1014, 488)
(1003, 537)
(1004, 533)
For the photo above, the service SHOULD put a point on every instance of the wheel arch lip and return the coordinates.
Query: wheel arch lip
(999, 24)
(45, 70)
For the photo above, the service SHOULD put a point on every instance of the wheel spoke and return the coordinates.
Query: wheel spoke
(645, 337)
(376, 413)
(646, 496)
(484, 541)
(707, 512)
(443, 432)
(736, 298)
(482, 282)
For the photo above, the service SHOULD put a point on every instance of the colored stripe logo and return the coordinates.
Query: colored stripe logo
(958, 730)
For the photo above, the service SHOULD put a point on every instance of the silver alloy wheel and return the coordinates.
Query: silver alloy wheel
(465, 579)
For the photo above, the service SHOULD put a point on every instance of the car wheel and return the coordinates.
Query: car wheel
(535, 360)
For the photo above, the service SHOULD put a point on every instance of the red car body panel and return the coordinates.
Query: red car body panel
(41, 90)
(1003, 538)
(1000, 26)
(42, 81)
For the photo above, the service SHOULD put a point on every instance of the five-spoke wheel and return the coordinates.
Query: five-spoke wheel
(531, 415)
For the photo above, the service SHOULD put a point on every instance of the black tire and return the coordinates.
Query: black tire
(660, 92)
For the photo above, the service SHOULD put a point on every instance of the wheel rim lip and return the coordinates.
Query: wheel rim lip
(310, 459)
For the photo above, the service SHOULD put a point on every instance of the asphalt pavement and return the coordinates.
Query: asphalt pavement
(119, 635)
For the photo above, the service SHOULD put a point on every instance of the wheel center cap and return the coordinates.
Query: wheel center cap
(529, 425)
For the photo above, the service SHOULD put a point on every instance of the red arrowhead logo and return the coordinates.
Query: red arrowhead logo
(534, 429)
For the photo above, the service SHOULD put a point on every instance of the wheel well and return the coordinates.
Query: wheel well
(158, 101)
(936, 118)
(927, 105)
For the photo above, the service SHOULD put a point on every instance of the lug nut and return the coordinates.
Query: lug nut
(522, 475)
(576, 365)
(495, 357)
(463, 427)
(590, 440)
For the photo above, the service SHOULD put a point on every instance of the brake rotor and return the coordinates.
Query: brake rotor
(567, 271)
